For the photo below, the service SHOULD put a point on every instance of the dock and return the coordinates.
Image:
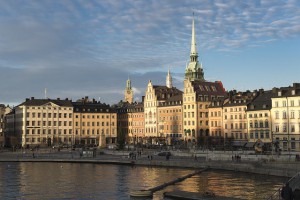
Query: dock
(195, 196)
(150, 191)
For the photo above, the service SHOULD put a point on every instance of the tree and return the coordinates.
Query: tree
(121, 138)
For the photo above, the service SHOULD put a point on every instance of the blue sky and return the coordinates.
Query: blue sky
(77, 48)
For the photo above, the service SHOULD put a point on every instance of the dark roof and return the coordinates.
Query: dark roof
(92, 107)
(209, 89)
(262, 101)
(240, 98)
(287, 91)
(131, 107)
(164, 93)
(39, 102)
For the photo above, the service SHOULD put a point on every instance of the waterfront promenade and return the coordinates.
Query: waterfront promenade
(277, 165)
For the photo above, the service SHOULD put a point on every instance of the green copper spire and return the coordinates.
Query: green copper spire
(194, 69)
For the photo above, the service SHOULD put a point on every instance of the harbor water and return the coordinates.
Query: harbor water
(100, 181)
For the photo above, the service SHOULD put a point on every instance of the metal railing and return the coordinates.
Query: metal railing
(293, 183)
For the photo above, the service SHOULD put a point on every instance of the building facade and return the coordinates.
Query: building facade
(170, 120)
(95, 123)
(285, 115)
(44, 122)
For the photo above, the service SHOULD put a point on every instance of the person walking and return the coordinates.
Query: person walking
(287, 192)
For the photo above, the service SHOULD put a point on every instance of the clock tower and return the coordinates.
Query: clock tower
(128, 94)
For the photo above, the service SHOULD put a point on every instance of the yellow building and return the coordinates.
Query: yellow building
(197, 96)
(259, 118)
(170, 120)
(215, 110)
(154, 96)
(131, 122)
(44, 122)
(234, 116)
(95, 123)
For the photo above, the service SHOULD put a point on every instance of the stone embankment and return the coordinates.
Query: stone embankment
(283, 165)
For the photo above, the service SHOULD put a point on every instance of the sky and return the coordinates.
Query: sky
(78, 48)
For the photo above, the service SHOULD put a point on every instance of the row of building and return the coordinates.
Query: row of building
(203, 114)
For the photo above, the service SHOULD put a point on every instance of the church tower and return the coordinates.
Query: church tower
(169, 80)
(128, 94)
(194, 69)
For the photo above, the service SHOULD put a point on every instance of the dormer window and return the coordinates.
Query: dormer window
(293, 92)
(279, 93)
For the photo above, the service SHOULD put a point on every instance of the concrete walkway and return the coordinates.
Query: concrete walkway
(259, 166)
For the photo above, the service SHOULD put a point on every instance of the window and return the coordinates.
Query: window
(277, 115)
(266, 124)
(284, 103)
(277, 128)
(284, 114)
(261, 124)
(292, 114)
(292, 102)
(292, 128)
(284, 128)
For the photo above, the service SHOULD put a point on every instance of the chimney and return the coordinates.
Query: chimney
(27, 99)
(32, 98)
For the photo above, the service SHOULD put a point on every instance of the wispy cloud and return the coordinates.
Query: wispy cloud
(71, 44)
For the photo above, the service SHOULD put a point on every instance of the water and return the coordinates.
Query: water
(96, 181)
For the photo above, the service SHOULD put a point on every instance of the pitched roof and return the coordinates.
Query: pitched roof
(91, 107)
(40, 102)
(164, 93)
(209, 88)
(262, 101)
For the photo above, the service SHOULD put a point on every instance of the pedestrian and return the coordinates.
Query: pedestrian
(296, 194)
(287, 192)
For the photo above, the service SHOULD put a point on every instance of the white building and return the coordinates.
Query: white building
(285, 114)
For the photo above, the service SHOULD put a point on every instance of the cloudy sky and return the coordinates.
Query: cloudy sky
(77, 48)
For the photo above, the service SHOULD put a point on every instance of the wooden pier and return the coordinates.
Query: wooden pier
(150, 191)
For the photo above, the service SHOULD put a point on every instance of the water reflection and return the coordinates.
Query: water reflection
(92, 181)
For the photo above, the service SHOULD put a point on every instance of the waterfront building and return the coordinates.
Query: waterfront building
(43, 122)
(285, 115)
(259, 118)
(128, 93)
(95, 123)
(4, 110)
(131, 121)
(215, 110)
(155, 95)
(197, 96)
(170, 120)
(235, 118)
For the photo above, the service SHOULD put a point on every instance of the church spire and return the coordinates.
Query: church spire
(194, 69)
(169, 80)
(194, 53)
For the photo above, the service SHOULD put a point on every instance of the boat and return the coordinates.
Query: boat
(141, 193)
